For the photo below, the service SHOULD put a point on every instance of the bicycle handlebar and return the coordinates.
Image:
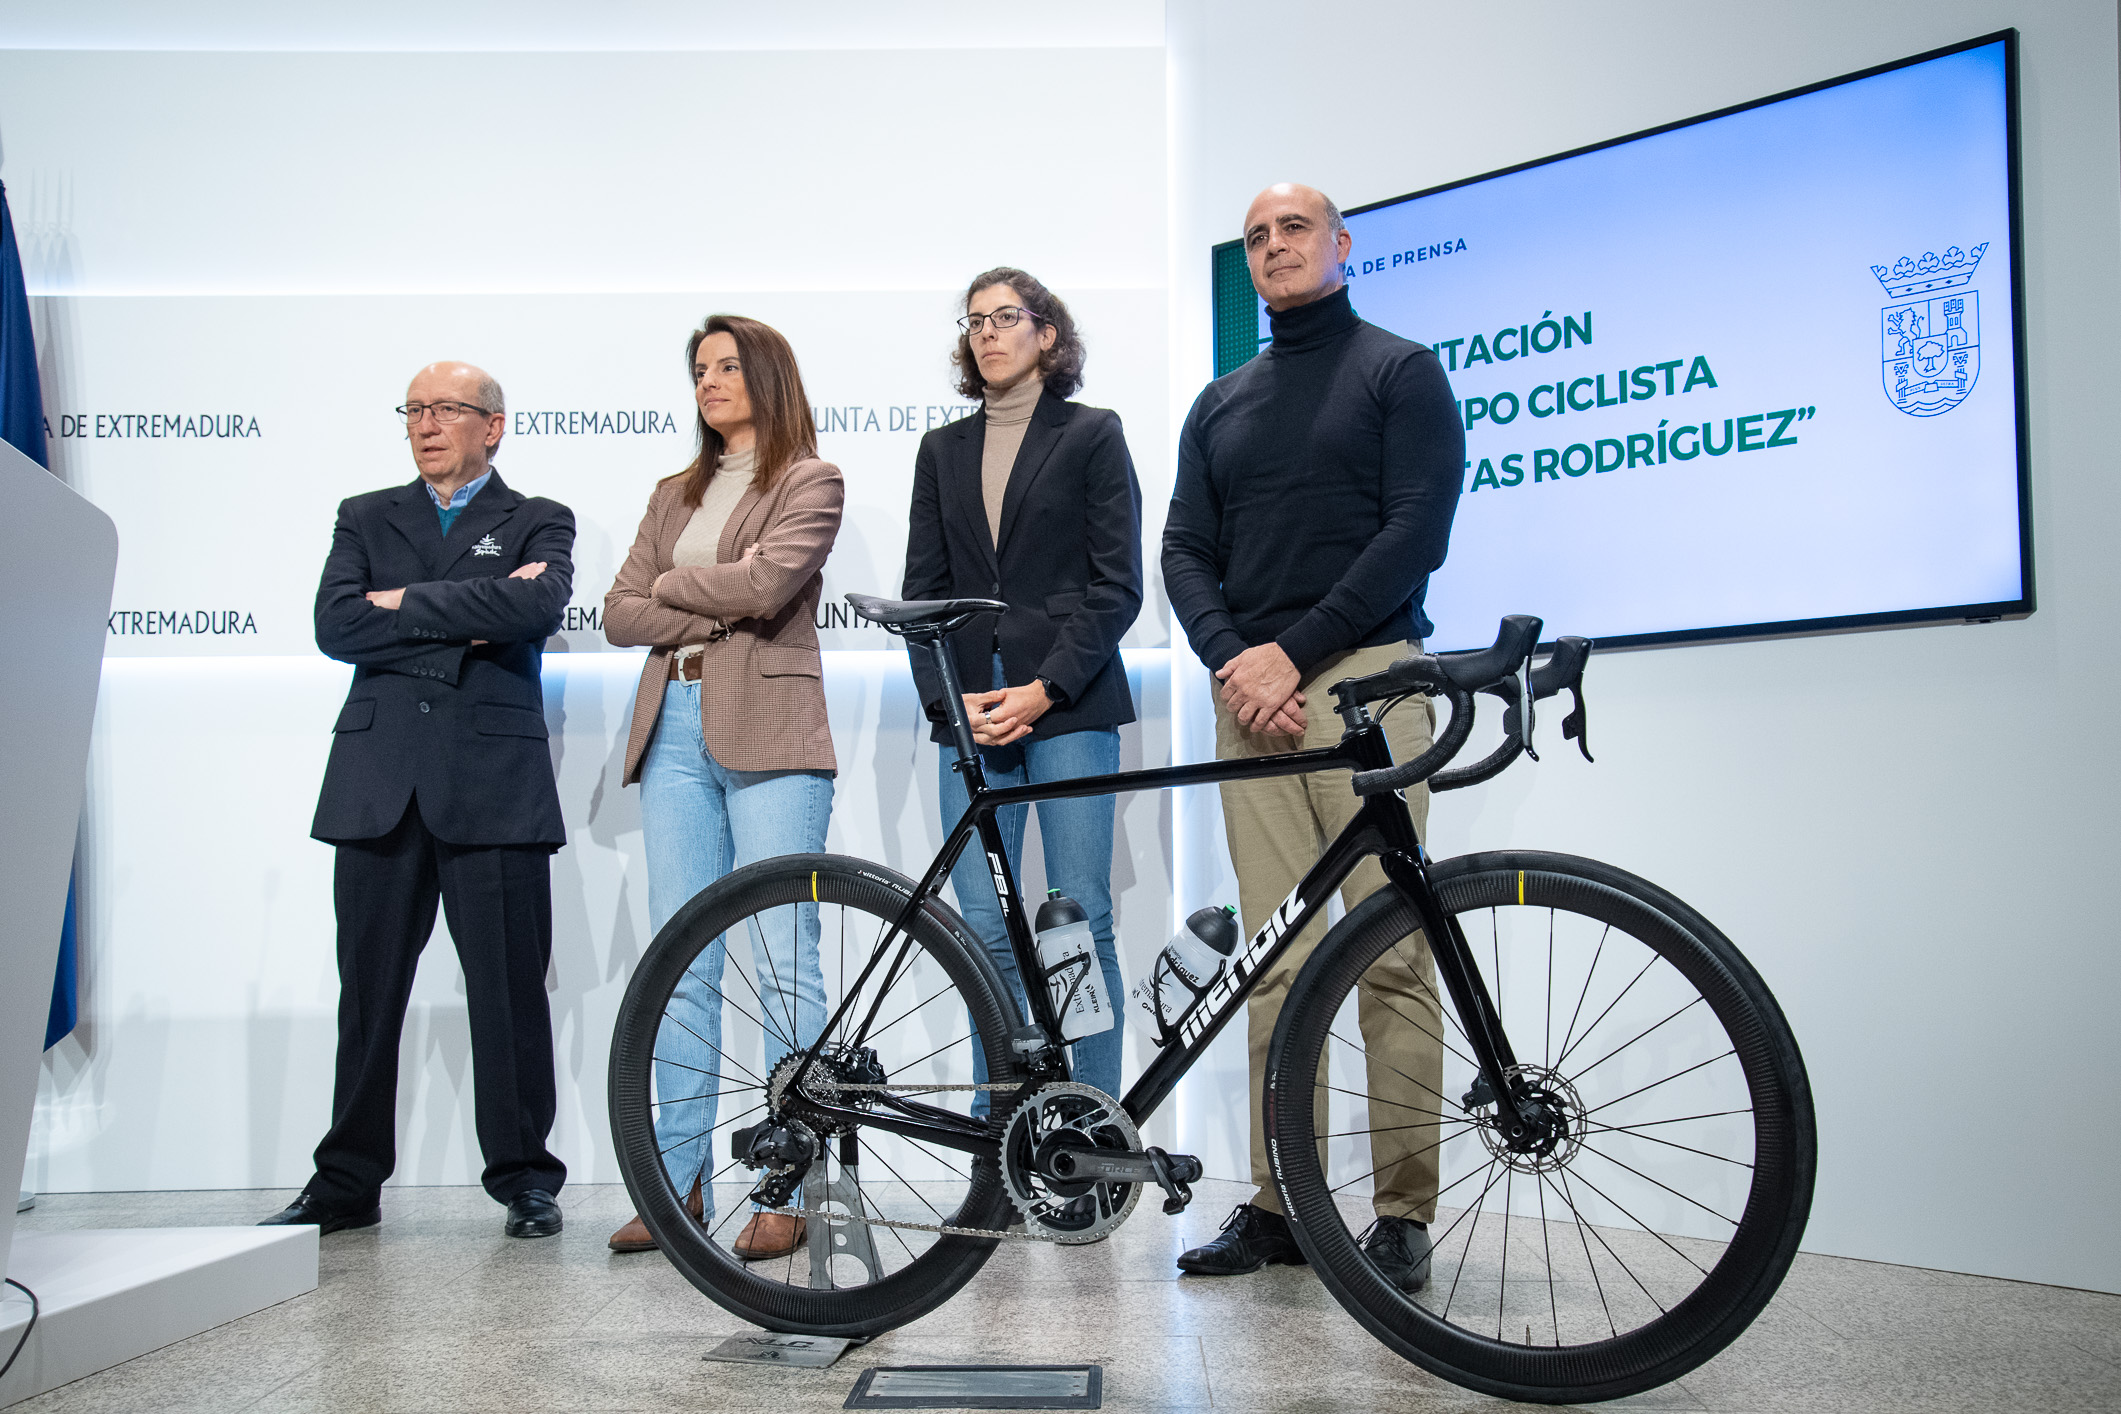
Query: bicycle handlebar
(1457, 677)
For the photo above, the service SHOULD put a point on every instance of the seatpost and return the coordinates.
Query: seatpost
(953, 700)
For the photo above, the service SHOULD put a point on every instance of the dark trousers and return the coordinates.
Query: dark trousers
(498, 902)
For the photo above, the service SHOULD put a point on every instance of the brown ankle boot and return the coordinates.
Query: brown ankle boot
(634, 1237)
(769, 1235)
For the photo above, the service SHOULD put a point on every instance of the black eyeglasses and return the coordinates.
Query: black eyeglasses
(1003, 318)
(445, 413)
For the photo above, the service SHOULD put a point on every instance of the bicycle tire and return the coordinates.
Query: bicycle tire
(1583, 1361)
(762, 1293)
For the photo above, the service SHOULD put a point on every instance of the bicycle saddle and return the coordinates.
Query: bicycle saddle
(902, 615)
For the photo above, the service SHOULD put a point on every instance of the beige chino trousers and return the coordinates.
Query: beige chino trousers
(1277, 829)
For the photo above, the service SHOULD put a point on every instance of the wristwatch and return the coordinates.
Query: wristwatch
(1053, 694)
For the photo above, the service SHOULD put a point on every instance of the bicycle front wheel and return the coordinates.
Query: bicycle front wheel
(1652, 1221)
(708, 1037)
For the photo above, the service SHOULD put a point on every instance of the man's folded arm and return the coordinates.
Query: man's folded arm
(499, 608)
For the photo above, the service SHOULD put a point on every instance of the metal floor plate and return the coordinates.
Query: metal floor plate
(979, 1387)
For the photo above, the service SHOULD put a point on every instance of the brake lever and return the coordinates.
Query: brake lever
(1525, 699)
(1576, 726)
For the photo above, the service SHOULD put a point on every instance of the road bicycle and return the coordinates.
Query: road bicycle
(1623, 1137)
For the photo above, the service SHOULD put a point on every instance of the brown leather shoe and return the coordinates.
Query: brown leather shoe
(634, 1237)
(769, 1235)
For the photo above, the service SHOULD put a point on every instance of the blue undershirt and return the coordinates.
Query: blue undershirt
(454, 506)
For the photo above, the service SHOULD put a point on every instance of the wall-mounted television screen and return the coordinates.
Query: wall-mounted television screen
(1758, 372)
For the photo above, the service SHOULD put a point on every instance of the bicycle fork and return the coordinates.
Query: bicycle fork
(1523, 1120)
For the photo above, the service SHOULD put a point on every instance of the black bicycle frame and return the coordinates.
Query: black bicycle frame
(1382, 827)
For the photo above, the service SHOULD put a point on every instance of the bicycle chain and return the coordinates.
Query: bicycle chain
(943, 1229)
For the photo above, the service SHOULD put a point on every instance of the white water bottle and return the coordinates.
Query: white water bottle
(1189, 963)
(1074, 980)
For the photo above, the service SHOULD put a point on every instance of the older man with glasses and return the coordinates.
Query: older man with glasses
(439, 790)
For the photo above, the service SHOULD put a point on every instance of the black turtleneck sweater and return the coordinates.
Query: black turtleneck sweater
(1315, 492)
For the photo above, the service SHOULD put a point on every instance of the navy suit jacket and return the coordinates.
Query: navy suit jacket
(1069, 565)
(461, 728)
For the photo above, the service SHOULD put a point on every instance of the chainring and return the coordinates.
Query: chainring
(1067, 1114)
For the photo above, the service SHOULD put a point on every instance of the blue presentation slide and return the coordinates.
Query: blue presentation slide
(1750, 371)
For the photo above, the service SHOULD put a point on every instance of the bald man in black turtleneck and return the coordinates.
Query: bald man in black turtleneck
(1315, 492)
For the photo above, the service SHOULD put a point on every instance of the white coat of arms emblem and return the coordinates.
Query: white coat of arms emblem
(487, 546)
(1930, 351)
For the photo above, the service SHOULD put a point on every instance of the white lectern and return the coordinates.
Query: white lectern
(106, 1296)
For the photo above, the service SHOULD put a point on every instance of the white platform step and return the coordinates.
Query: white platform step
(107, 1295)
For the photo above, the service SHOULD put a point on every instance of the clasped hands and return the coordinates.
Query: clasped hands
(392, 598)
(1006, 714)
(1259, 687)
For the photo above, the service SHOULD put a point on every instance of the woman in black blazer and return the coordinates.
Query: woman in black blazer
(1032, 501)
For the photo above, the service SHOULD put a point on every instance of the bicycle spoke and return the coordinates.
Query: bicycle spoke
(713, 1047)
(702, 1134)
(1563, 1058)
(712, 1074)
(785, 990)
(947, 991)
(1570, 1034)
(1441, 1098)
(909, 1187)
(1585, 1180)
(1721, 1158)
(1590, 1148)
(1502, 1283)
(1479, 1203)
(1545, 1244)
(1381, 1100)
(902, 1069)
(1547, 1033)
(1655, 1083)
(1442, 1007)
(1380, 1168)
(722, 998)
(1579, 1075)
(1423, 1029)
(1596, 1284)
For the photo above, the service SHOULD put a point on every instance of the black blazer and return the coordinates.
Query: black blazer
(1069, 565)
(463, 726)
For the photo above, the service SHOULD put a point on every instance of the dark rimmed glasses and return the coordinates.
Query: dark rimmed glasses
(1004, 318)
(445, 412)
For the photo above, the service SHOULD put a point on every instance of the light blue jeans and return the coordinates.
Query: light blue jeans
(699, 820)
(1077, 835)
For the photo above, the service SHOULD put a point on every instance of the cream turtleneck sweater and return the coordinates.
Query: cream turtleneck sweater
(700, 541)
(1008, 418)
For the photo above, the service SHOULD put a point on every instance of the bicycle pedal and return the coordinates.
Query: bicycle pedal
(1174, 1174)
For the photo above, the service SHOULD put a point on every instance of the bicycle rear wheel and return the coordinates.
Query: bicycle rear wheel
(1661, 1214)
(684, 1091)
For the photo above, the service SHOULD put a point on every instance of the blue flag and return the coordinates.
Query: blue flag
(22, 427)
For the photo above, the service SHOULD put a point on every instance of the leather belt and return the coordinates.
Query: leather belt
(687, 667)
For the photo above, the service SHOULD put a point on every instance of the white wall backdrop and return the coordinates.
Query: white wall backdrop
(271, 242)
(1906, 830)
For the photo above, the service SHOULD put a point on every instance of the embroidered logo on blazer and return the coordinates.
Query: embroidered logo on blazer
(487, 546)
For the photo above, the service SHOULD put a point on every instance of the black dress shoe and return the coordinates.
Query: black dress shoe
(306, 1209)
(1399, 1249)
(1251, 1239)
(534, 1213)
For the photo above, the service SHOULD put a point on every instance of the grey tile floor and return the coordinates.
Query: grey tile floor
(436, 1312)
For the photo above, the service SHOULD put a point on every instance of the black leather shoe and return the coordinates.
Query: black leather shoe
(1251, 1239)
(306, 1209)
(533, 1213)
(1399, 1249)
